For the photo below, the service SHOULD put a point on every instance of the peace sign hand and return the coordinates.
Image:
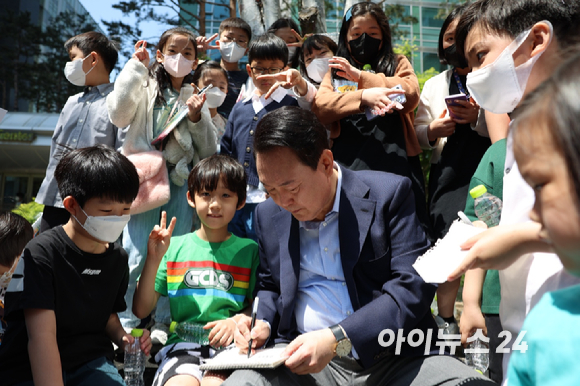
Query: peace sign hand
(160, 237)
(141, 54)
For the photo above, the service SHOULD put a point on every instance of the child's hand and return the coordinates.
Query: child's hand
(145, 341)
(471, 320)
(468, 112)
(160, 237)
(377, 98)
(345, 69)
(222, 333)
(203, 43)
(286, 79)
(440, 128)
(298, 37)
(141, 54)
(195, 103)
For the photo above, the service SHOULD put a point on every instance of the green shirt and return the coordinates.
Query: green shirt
(207, 281)
(490, 174)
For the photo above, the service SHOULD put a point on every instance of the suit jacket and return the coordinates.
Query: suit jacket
(380, 239)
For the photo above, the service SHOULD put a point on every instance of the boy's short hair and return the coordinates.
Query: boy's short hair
(294, 128)
(208, 172)
(236, 22)
(510, 18)
(268, 47)
(95, 41)
(97, 171)
(15, 233)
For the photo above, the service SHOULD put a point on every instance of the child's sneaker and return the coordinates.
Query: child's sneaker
(159, 333)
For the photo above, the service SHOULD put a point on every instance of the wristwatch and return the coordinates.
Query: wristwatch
(343, 345)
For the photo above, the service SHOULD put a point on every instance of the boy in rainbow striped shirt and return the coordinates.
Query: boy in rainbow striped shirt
(208, 275)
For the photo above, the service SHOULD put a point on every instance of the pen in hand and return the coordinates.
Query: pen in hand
(254, 312)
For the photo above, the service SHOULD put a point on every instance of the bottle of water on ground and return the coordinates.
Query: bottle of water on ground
(479, 359)
(191, 332)
(134, 360)
(487, 206)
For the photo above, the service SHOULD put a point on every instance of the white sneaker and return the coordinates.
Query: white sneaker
(159, 333)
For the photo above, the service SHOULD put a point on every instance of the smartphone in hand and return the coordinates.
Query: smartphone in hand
(452, 101)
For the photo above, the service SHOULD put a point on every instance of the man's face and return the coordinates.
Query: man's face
(306, 193)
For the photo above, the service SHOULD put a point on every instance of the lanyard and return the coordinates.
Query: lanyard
(459, 85)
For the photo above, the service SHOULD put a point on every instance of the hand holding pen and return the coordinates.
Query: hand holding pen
(259, 333)
(253, 323)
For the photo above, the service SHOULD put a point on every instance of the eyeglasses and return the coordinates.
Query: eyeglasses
(227, 39)
(262, 70)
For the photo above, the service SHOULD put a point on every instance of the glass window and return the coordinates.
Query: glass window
(430, 59)
(14, 186)
(428, 17)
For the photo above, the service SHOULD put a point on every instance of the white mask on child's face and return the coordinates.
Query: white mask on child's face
(231, 52)
(104, 228)
(74, 71)
(499, 87)
(214, 97)
(291, 52)
(6, 278)
(177, 65)
(317, 69)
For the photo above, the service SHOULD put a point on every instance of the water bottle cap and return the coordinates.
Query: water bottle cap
(137, 332)
(479, 190)
(172, 326)
(367, 67)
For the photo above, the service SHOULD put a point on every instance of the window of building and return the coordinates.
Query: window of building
(431, 59)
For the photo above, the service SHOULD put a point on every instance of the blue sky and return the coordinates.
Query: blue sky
(103, 10)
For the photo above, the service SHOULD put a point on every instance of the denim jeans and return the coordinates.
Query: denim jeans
(98, 372)
(135, 237)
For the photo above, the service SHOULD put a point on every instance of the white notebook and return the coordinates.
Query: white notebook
(268, 358)
(446, 255)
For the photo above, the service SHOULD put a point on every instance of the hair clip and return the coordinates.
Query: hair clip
(348, 14)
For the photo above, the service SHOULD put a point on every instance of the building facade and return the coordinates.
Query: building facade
(25, 136)
(424, 33)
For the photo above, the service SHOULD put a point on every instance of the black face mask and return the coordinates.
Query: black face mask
(364, 49)
(453, 58)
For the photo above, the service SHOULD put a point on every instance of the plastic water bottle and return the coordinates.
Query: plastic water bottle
(487, 206)
(134, 360)
(191, 332)
(479, 360)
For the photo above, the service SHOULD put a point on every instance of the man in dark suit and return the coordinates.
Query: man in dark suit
(336, 255)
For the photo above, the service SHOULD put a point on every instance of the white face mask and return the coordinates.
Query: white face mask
(6, 278)
(499, 87)
(74, 71)
(177, 65)
(291, 52)
(105, 228)
(317, 69)
(231, 52)
(214, 97)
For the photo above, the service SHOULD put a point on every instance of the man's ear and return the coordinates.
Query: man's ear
(327, 162)
(249, 69)
(241, 205)
(190, 201)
